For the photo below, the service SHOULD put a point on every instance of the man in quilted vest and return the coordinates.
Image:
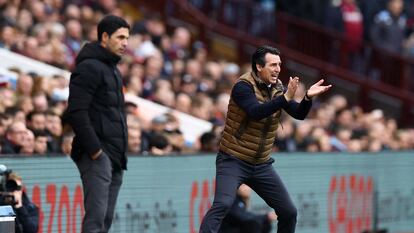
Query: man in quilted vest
(255, 106)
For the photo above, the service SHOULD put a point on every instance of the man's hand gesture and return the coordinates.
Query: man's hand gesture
(317, 89)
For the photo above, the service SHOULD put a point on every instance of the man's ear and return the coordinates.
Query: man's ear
(105, 37)
(259, 67)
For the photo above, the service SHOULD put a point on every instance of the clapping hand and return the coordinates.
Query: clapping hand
(291, 88)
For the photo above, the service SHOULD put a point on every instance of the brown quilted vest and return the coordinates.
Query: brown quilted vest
(248, 139)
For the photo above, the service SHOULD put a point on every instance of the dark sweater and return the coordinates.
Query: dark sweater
(243, 95)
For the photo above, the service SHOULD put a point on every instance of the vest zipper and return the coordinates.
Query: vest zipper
(265, 128)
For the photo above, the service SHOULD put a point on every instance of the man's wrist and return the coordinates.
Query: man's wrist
(307, 97)
(287, 98)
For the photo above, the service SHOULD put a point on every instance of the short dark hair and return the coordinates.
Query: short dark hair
(40, 133)
(110, 24)
(259, 55)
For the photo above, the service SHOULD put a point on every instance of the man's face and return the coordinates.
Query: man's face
(54, 125)
(134, 140)
(38, 122)
(269, 73)
(17, 133)
(40, 144)
(117, 42)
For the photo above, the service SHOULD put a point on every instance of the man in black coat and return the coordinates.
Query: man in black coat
(95, 112)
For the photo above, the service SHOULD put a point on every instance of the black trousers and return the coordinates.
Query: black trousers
(231, 172)
(101, 184)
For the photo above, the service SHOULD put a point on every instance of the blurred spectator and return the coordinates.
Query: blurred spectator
(240, 220)
(285, 140)
(66, 146)
(28, 143)
(54, 130)
(180, 44)
(173, 133)
(40, 102)
(134, 141)
(202, 107)
(8, 98)
(40, 142)
(221, 104)
(14, 137)
(36, 120)
(369, 9)
(7, 37)
(134, 134)
(25, 104)
(348, 19)
(208, 143)
(73, 38)
(388, 29)
(159, 145)
(24, 85)
(183, 103)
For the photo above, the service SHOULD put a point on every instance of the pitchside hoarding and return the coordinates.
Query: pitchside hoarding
(334, 193)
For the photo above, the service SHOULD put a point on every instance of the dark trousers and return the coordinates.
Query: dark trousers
(262, 178)
(101, 184)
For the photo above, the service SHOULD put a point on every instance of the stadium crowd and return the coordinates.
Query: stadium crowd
(387, 24)
(169, 67)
